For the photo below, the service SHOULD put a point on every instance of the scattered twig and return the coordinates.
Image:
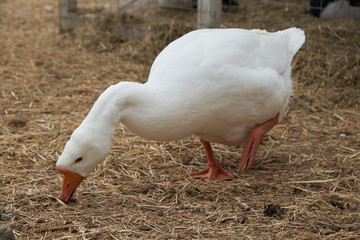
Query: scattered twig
(54, 228)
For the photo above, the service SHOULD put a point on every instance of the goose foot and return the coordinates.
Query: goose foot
(214, 172)
(253, 142)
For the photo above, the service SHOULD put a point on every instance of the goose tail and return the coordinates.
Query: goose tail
(295, 37)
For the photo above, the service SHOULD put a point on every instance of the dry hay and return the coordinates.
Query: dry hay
(308, 165)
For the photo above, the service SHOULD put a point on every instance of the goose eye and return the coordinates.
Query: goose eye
(78, 160)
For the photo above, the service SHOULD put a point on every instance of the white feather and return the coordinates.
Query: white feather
(217, 84)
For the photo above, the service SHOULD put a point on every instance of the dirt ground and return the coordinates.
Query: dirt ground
(304, 184)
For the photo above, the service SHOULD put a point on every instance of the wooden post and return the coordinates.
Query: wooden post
(209, 13)
(72, 5)
(68, 18)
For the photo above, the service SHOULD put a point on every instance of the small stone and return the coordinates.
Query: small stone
(335, 227)
(324, 231)
(355, 227)
(17, 123)
(321, 231)
(353, 207)
(148, 188)
(226, 220)
(297, 190)
(134, 53)
(40, 220)
(349, 171)
(315, 185)
(245, 206)
(31, 192)
(273, 211)
(345, 134)
(6, 232)
(28, 193)
(6, 216)
(201, 210)
(20, 193)
(336, 202)
(186, 161)
(145, 228)
(241, 220)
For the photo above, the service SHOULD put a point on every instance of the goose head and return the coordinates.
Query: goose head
(85, 149)
(91, 141)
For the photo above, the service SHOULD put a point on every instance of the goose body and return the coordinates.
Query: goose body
(218, 84)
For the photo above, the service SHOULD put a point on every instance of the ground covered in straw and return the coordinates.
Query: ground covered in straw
(304, 183)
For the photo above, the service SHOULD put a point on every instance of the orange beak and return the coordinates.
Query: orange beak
(70, 182)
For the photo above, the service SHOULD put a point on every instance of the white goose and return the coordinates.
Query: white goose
(226, 86)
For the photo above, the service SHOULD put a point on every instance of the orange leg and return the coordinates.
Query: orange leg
(253, 142)
(214, 172)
